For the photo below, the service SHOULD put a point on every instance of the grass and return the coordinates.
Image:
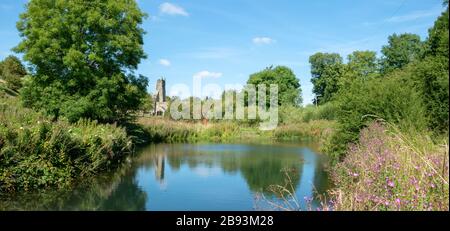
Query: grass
(166, 130)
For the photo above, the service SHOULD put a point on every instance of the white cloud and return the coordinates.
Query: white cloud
(263, 40)
(172, 9)
(207, 74)
(165, 62)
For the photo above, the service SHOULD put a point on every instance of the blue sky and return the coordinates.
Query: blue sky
(226, 41)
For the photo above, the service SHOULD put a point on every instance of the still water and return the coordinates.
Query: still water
(189, 177)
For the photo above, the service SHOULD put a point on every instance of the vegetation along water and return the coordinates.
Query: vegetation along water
(75, 132)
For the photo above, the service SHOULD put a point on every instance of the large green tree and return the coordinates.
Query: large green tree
(401, 50)
(326, 70)
(363, 63)
(289, 91)
(83, 55)
(437, 42)
(432, 73)
(12, 71)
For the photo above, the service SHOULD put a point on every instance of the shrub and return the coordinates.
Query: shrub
(392, 99)
(431, 77)
(36, 152)
(318, 130)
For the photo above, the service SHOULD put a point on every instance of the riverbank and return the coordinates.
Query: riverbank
(36, 152)
(168, 131)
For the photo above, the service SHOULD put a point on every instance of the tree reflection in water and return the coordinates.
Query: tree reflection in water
(260, 166)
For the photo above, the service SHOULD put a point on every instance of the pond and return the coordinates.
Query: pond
(190, 177)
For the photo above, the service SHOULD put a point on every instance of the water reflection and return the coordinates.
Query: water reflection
(190, 177)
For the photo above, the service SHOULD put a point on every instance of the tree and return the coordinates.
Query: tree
(401, 50)
(437, 42)
(147, 104)
(12, 71)
(432, 74)
(289, 91)
(363, 63)
(326, 70)
(83, 55)
(392, 99)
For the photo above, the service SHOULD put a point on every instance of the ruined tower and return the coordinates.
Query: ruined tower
(161, 90)
(160, 98)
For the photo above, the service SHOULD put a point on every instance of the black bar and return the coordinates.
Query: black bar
(168, 220)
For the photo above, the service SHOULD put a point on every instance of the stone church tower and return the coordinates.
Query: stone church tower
(161, 104)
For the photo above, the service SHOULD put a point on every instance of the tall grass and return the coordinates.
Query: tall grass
(393, 170)
(36, 152)
(295, 115)
(317, 130)
(169, 131)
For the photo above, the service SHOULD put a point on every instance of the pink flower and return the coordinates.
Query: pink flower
(390, 183)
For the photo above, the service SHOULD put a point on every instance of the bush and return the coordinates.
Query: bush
(431, 77)
(36, 152)
(293, 115)
(318, 130)
(392, 99)
(168, 131)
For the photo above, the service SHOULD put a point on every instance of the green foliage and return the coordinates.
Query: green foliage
(165, 130)
(413, 93)
(363, 63)
(431, 77)
(147, 104)
(83, 54)
(392, 99)
(12, 71)
(317, 130)
(289, 90)
(432, 74)
(437, 42)
(294, 115)
(326, 111)
(401, 50)
(37, 153)
(326, 70)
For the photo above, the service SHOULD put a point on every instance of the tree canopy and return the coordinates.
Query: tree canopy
(326, 68)
(401, 50)
(83, 55)
(363, 63)
(288, 85)
(12, 71)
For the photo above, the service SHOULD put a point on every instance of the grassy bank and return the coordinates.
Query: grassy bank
(36, 152)
(165, 130)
